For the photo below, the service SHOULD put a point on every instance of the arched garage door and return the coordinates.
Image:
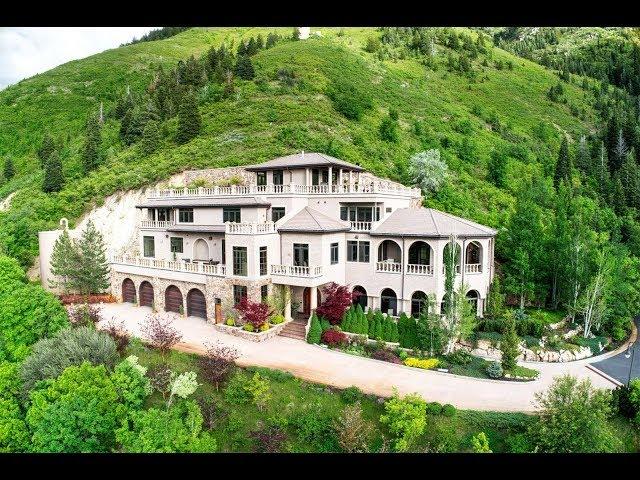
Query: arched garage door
(173, 299)
(128, 291)
(146, 294)
(196, 304)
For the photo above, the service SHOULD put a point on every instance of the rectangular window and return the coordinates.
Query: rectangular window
(149, 246)
(314, 176)
(357, 251)
(377, 213)
(278, 177)
(388, 209)
(164, 215)
(239, 291)
(277, 213)
(240, 261)
(334, 253)
(231, 214)
(263, 260)
(261, 178)
(343, 213)
(185, 215)
(223, 259)
(264, 292)
(176, 244)
(301, 254)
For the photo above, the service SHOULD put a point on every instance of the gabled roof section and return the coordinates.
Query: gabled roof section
(302, 160)
(427, 222)
(205, 202)
(311, 221)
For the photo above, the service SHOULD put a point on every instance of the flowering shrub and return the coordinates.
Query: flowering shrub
(334, 338)
(426, 363)
(386, 356)
(264, 327)
(253, 313)
(336, 299)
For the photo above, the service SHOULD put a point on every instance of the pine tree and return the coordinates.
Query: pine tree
(583, 158)
(53, 174)
(295, 35)
(394, 332)
(93, 275)
(65, 263)
(9, 169)
(509, 344)
(497, 168)
(150, 138)
(46, 149)
(407, 331)
(315, 330)
(124, 125)
(91, 152)
(252, 47)
(189, 121)
(629, 175)
(244, 68)
(371, 327)
(379, 332)
(563, 165)
(387, 334)
(259, 42)
(272, 39)
(495, 299)
(618, 199)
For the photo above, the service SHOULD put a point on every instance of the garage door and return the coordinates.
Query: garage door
(196, 305)
(128, 291)
(173, 299)
(146, 294)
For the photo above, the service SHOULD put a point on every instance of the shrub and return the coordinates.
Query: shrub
(160, 332)
(248, 327)
(276, 319)
(405, 419)
(315, 330)
(51, 356)
(351, 395)
(264, 327)
(230, 322)
(334, 338)
(85, 314)
(352, 430)
(325, 324)
(235, 391)
(315, 427)
(407, 331)
(480, 443)
(494, 370)
(425, 363)
(434, 408)
(259, 390)
(448, 410)
(349, 98)
(268, 439)
(460, 357)
(253, 313)
(118, 334)
(217, 363)
(336, 299)
(386, 356)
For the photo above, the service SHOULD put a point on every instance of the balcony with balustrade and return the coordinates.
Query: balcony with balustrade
(298, 275)
(156, 224)
(362, 226)
(203, 268)
(250, 228)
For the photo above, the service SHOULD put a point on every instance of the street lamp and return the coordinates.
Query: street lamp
(629, 353)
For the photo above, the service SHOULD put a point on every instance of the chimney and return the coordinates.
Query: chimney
(302, 154)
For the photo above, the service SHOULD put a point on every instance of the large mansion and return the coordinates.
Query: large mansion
(298, 223)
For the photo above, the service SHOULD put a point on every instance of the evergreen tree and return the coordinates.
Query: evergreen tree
(229, 87)
(252, 47)
(124, 125)
(244, 68)
(65, 263)
(91, 152)
(93, 274)
(189, 121)
(497, 168)
(495, 299)
(259, 42)
(563, 165)
(135, 126)
(583, 158)
(295, 35)
(618, 199)
(509, 344)
(629, 175)
(272, 39)
(150, 138)
(389, 129)
(46, 149)
(9, 169)
(407, 331)
(53, 174)
(387, 330)
(315, 330)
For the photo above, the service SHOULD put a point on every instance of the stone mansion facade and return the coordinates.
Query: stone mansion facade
(298, 222)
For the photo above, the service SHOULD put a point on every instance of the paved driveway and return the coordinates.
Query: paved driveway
(619, 367)
(317, 364)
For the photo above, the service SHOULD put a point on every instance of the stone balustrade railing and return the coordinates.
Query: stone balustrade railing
(473, 268)
(415, 269)
(250, 228)
(156, 224)
(176, 266)
(296, 271)
(388, 267)
(361, 226)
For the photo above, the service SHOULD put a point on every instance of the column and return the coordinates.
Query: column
(307, 180)
(350, 181)
(340, 178)
(313, 302)
(330, 178)
(287, 305)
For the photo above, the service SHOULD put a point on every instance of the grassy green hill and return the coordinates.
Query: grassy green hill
(505, 108)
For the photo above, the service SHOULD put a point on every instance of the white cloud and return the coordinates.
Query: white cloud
(25, 51)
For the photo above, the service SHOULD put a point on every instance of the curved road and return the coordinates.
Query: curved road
(318, 364)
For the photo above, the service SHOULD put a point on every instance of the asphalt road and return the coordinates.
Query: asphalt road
(619, 366)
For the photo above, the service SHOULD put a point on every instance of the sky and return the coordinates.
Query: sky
(25, 51)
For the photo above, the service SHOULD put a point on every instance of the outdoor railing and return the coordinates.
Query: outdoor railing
(388, 267)
(363, 187)
(417, 269)
(176, 266)
(361, 226)
(444, 269)
(250, 228)
(296, 271)
(156, 224)
(473, 268)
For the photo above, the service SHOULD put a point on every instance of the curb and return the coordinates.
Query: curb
(604, 375)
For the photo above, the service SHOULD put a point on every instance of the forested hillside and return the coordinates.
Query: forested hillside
(530, 150)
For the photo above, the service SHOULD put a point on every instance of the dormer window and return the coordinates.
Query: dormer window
(261, 178)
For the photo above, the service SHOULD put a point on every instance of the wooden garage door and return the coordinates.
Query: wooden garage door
(196, 304)
(173, 299)
(128, 291)
(146, 294)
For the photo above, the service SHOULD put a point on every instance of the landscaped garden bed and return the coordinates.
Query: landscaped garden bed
(254, 321)
(71, 299)
(267, 331)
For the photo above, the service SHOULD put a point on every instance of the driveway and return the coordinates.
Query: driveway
(619, 366)
(317, 364)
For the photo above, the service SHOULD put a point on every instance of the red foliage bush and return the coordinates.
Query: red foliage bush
(68, 299)
(336, 299)
(253, 312)
(334, 338)
(386, 356)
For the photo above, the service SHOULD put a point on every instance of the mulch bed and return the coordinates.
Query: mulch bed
(68, 299)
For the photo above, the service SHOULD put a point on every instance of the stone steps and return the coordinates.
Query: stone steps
(295, 329)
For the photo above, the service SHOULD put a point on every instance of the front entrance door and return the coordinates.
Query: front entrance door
(306, 301)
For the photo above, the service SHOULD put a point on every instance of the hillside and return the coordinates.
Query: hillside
(500, 108)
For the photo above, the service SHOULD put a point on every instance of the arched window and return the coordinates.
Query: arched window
(473, 257)
(389, 302)
(360, 299)
(389, 251)
(420, 253)
(472, 298)
(419, 303)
